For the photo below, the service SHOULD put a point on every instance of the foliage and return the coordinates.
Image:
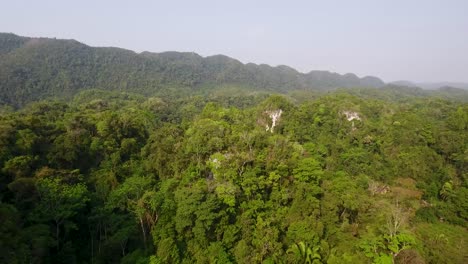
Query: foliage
(114, 177)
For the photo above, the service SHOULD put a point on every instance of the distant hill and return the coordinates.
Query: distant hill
(38, 68)
(404, 83)
(438, 85)
(433, 85)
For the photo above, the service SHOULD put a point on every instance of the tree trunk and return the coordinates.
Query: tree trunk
(92, 247)
(57, 233)
(100, 238)
(143, 230)
(123, 245)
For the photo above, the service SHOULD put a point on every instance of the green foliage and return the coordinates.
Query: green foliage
(308, 170)
(304, 254)
(59, 201)
(384, 249)
(443, 243)
(119, 178)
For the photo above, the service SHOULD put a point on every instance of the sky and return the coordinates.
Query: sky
(416, 40)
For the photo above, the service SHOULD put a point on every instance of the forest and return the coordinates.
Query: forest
(33, 69)
(344, 176)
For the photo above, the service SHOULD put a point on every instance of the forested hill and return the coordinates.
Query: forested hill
(39, 68)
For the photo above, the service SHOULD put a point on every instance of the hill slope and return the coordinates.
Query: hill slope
(38, 68)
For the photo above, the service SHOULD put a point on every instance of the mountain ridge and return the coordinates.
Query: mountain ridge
(38, 68)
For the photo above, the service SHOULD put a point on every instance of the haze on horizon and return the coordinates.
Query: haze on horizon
(419, 40)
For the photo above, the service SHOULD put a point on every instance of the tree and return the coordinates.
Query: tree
(136, 195)
(59, 201)
(396, 219)
(308, 170)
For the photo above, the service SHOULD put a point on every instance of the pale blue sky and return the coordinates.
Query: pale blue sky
(417, 40)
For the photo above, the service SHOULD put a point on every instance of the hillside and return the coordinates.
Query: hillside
(38, 68)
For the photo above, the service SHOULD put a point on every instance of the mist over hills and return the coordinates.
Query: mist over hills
(37, 68)
(432, 85)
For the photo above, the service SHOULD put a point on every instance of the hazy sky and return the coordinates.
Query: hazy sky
(418, 40)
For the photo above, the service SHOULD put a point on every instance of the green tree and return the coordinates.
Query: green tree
(59, 202)
(136, 195)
